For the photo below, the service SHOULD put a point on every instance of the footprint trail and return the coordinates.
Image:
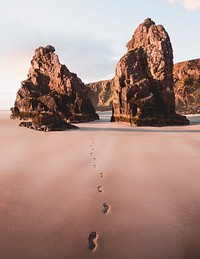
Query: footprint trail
(93, 236)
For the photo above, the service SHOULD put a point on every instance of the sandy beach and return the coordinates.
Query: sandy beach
(135, 190)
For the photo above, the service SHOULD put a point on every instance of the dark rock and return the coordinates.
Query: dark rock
(186, 89)
(143, 82)
(47, 122)
(27, 124)
(101, 95)
(52, 88)
(187, 86)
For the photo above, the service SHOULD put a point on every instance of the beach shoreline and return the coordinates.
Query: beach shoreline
(136, 188)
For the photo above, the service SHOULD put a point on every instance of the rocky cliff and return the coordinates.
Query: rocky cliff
(187, 86)
(143, 82)
(101, 95)
(51, 88)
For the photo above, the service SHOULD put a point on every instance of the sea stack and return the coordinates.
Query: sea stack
(143, 84)
(51, 89)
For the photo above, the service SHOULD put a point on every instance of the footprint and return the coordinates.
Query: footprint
(106, 208)
(92, 240)
(101, 175)
(91, 153)
(94, 158)
(100, 188)
(95, 166)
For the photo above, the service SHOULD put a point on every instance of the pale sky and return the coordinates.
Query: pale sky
(89, 36)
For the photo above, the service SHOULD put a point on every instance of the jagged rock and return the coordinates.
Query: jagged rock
(52, 88)
(101, 95)
(143, 82)
(47, 122)
(187, 86)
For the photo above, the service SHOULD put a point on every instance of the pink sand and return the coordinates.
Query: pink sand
(49, 198)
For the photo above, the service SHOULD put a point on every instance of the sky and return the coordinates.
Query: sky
(89, 36)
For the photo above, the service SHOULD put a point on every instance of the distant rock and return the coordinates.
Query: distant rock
(187, 86)
(101, 95)
(143, 82)
(51, 88)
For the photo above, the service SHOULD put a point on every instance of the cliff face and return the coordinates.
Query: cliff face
(186, 89)
(101, 95)
(52, 88)
(143, 82)
(187, 86)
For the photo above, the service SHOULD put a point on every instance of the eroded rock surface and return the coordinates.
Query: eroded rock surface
(100, 93)
(51, 88)
(143, 82)
(187, 86)
(47, 122)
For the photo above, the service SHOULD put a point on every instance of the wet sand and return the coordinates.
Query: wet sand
(104, 191)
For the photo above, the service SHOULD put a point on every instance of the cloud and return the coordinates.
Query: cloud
(188, 4)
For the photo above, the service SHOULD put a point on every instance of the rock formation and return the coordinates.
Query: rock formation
(47, 122)
(187, 86)
(143, 82)
(101, 95)
(52, 89)
(186, 89)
